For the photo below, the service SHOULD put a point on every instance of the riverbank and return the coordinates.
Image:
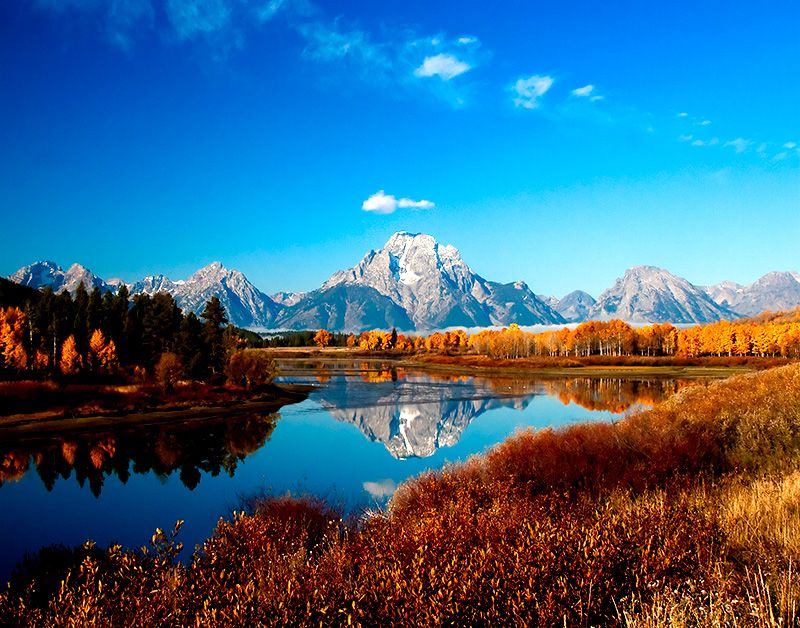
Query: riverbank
(684, 515)
(539, 367)
(42, 408)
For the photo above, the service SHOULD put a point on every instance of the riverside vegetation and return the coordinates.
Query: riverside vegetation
(684, 514)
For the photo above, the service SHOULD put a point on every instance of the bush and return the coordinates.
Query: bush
(250, 367)
(168, 371)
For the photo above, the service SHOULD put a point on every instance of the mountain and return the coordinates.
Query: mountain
(350, 308)
(726, 293)
(245, 304)
(646, 294)
(154, 283)
(437, 289)
(46, 273)
(575, 306)
(774, 291)
(287, 299)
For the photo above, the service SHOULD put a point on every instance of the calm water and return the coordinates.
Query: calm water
(364, 429)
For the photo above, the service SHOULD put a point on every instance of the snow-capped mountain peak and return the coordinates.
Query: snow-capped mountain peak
(434, 285)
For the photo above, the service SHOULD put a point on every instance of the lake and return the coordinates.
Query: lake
(365, 427)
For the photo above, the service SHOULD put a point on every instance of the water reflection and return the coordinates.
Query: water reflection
(413, 414)
(189, 449)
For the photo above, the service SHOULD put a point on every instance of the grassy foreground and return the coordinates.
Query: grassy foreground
(687, 514)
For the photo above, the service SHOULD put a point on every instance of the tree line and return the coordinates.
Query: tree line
(775, 336)
(107, 333)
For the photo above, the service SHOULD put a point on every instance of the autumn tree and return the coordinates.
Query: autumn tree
(71, 361)
(250, 367)
(169, 370)
(322, 338)
(13, 325)
(102, 352)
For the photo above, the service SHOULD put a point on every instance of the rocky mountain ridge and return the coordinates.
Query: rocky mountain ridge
(415, 283)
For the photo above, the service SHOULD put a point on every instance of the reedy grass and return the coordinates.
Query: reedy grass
(685, 514)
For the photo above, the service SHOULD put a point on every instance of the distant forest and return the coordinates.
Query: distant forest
(103, 333)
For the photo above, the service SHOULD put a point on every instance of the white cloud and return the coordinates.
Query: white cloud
(790, 145)
(466, 41)
(583, 92)
(445, 66)
(683, 114)
(529, 90)
(380, 489)
(739, 144)
(191, 18)
(686, 138)
(704, 122)
(382, 203)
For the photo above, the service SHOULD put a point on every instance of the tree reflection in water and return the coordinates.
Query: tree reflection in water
(190, 449)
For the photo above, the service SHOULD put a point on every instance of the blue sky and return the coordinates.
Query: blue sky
(558, 143)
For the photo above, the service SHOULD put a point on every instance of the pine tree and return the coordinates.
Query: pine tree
(214, 317)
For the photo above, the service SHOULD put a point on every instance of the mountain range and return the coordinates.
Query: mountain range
(416, 283)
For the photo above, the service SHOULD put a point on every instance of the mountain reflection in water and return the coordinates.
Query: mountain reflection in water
(190, 449)
(413, 414)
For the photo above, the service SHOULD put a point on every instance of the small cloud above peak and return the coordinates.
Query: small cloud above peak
(587, 91)
(445, 66)
(382, 203)
(528, 91)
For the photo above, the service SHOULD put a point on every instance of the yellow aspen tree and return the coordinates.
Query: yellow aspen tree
(12, 333)
(323, 338)
(71, 361)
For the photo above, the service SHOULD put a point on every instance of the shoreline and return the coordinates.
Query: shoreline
(19, 426)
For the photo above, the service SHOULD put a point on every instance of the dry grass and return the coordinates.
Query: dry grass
(683, 515)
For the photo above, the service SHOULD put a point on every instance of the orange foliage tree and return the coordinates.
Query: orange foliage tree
(13, 324)
(102, 352)
(71, 361)
(323, 338)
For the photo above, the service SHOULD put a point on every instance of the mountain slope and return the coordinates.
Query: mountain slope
(245, 304)
(646, 294)
(437, 289)
(575, 306)
(47, 273)
(348, 308)
(774, 291)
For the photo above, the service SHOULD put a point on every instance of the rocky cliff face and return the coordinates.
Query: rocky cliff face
(774, 291)
(646, 294)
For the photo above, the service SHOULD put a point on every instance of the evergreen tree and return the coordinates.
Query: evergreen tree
(191, 348)
(214, 317)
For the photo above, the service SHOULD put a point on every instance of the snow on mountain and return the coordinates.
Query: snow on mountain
(575, 306)
(726, 293)
(287, 299)
(47, 273)
(437, 289)
(152, 284)
(245, 304)
(646, 294)
(774, 291)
